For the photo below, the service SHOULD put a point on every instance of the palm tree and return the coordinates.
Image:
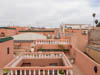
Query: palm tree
(96, 21)
(94, 14)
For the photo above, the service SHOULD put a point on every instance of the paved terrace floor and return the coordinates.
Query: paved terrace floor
(1, 71)
(76, 70)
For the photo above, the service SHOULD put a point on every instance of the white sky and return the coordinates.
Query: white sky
(47, 13)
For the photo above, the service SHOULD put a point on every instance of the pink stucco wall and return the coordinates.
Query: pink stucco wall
(8, 32)
(51, 46)
(85, 64)
(79, 41)
(4, 57)
(23, 45)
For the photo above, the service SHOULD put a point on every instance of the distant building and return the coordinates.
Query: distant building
(6, 31)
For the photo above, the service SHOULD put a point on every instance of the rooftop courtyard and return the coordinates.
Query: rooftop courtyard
(40, 63)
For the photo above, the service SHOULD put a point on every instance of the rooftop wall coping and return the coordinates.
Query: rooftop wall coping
(6, 39)
(39, 68)
(37, 31)
(53, 50)
(7, 28)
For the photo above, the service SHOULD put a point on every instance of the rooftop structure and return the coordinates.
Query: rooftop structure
(40, 63)
(50, 33)
(6, 51)
(28, 36)
(7, 32)
(75, 26)
(65, 27)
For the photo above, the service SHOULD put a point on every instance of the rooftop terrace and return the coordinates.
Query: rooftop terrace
(63, 64)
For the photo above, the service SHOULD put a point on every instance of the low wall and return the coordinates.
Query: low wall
(95, 54)
(94, 35)
(44, 62)
(51, 46)
(85, 63)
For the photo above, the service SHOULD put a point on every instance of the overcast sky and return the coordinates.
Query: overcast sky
(47, 13)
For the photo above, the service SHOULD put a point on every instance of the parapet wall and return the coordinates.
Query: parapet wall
(79, 41)
(85, 63)
(94, 35)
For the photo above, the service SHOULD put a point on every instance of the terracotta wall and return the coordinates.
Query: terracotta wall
(52, 46)
(44, 62)
(73, 30)
(8, 32)
(4, 57)
(18, 28)
(23, 45)
(85, 64)
(26, 44)
(79, 41)
(94, 35)
(94, 54)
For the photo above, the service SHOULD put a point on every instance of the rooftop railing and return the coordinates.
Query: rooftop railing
(36, 70)
(53, 41)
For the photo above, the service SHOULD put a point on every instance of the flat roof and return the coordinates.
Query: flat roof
(28, 36)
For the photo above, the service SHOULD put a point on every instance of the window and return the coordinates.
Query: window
(8, 50)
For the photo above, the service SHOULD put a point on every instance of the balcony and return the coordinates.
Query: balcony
(15, 69)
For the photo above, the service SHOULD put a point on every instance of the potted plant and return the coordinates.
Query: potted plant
(61, 72)
(6, 71)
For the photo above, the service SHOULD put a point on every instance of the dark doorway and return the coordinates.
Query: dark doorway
(25, 64)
